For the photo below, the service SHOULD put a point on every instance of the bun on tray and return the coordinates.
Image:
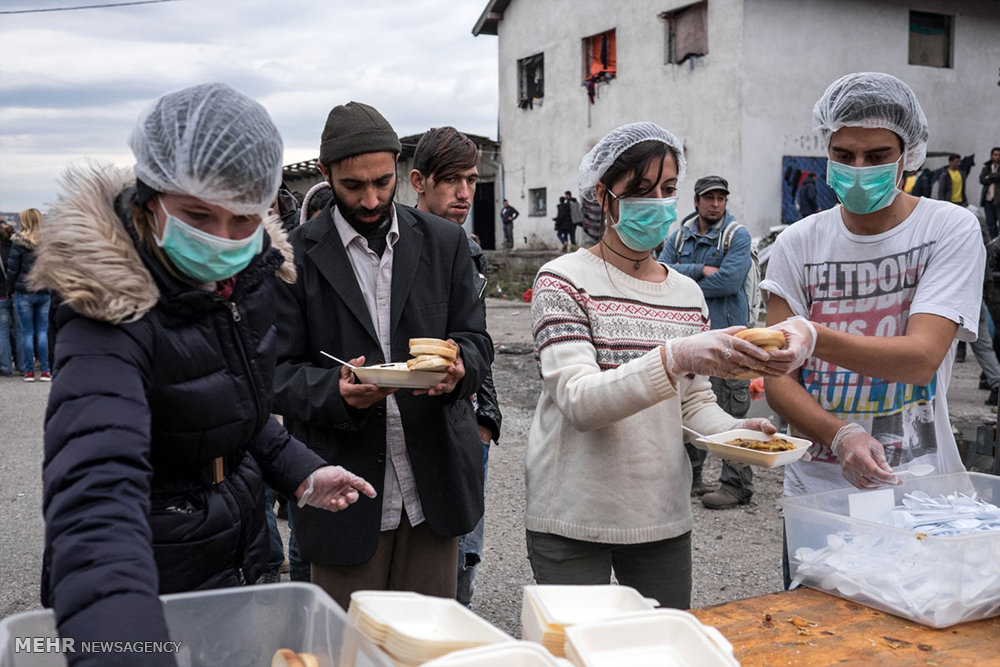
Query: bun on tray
(431, 354)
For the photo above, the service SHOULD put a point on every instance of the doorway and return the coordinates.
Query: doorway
(484, 222)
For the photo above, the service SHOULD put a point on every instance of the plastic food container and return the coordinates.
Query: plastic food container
(511, 654)
(655, 638)
(546, 611)
(231, 627)
(398, 375)
(934, 580)
(415, 628)
(716, 445)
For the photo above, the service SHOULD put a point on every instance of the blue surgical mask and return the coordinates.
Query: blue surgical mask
(863, 189)
(203, 256)
(643, 222)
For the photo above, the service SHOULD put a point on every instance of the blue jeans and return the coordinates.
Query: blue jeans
(470, 546)
(5, 322)
(33, 317)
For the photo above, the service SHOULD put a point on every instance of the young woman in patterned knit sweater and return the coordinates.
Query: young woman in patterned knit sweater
(625, 350)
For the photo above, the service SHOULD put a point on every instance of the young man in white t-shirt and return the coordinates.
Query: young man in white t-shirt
(887, 281)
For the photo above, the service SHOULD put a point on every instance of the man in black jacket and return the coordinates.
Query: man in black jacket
(371, 275)
(444, 177)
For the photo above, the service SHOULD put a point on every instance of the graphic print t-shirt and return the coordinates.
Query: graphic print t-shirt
(932, 262)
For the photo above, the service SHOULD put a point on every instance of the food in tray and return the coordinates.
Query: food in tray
(431, 354)
(775, 444)
(284, 657)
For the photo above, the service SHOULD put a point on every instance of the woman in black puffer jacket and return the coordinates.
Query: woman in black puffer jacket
(158, 433)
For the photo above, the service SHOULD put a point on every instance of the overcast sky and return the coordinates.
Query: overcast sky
(72, 83)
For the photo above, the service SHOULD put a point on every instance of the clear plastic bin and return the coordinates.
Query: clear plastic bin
(937, 581)
(231, 627)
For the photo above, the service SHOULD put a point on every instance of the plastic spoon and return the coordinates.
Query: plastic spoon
(919, 470)
(352, 367)
(693, 432)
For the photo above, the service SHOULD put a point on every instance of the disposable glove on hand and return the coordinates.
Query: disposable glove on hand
(862, 458)
(333, 488)
(717, 353)
(758, 424)
(800, 342)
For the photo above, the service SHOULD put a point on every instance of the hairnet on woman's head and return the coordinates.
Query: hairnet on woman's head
(617, 141)
(211, 142)
(874, 100)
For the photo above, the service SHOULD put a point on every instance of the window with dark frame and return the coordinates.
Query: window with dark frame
(530, 80)
(600, 60)
(930, 39)
(536, 202)
(685, 33)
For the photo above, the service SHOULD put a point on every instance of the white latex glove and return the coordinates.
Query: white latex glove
(717, 353)
(862, 458)
(332, 488)
(758, 424)
(800, 342)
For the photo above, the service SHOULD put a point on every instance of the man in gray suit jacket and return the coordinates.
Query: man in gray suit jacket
(371, 275)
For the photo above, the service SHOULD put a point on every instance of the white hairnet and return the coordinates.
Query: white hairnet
(619, 140)
(211, 142)
(876, 100)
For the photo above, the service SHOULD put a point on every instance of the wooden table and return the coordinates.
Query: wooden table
(762, 632)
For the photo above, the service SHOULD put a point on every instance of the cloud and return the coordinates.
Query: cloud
(72, 83)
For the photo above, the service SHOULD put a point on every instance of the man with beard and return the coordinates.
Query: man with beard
(718, 259)
(444, 177)
(371, 275)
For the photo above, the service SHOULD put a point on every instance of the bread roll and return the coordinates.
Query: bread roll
(284, 657)
(765, 339)
(442, 348)
(428, 362)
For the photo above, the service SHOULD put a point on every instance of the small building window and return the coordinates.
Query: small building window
(930, 39)
(686, 33)
(536, 202)
(600, 60)
(530, 81)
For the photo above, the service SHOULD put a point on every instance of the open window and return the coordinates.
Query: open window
(930, 39)
(600, 60)
(686, 33)
(530, 80)
(536, 202)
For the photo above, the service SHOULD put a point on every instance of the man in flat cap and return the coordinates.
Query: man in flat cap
(371, 275)
(713, 249)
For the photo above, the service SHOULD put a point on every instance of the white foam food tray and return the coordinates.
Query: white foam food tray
(562, 606)
(424, 625)
(654, 638)
(716, 445)
(511, 654)
(399, 376)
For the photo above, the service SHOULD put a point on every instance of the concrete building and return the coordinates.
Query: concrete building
(736, 80)
(483, 219)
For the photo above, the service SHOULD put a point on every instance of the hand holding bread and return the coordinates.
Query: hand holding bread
(437, 355)
(717, 353)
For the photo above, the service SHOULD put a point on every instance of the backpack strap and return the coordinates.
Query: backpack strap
(679, 238)
(726, 237)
